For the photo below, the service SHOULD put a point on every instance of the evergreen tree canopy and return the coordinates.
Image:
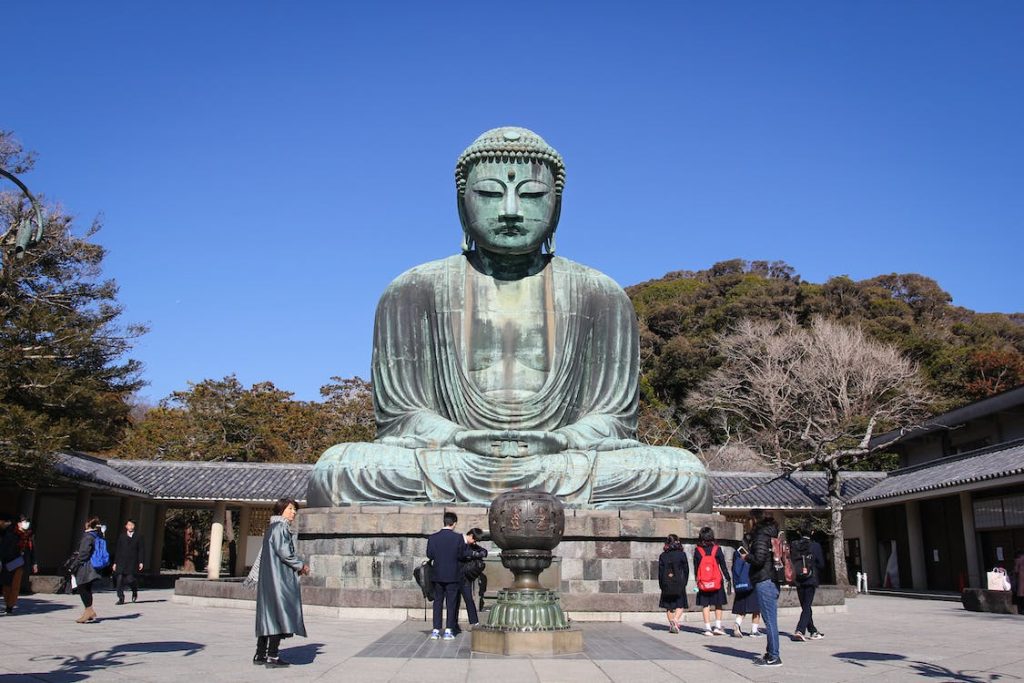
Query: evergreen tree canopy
(64, 376)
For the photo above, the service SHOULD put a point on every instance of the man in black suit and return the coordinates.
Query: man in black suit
(444, 549)
(128, 561)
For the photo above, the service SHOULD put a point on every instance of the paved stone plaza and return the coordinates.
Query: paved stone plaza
(878, 639)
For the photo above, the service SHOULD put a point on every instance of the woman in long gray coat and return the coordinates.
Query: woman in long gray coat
(278, 600)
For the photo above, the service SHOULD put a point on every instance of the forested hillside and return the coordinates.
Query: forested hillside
(964, 355)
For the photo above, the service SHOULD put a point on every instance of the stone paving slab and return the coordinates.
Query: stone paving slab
(600, 641)
(157, 640)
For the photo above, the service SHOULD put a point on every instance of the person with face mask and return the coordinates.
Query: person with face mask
(20, 563)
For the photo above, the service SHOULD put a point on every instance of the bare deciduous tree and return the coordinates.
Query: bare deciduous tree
(810, 397)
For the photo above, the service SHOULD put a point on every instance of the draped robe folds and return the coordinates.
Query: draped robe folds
(424, 396)
(278, 599)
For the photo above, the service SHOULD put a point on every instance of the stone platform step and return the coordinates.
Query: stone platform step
(948, 596)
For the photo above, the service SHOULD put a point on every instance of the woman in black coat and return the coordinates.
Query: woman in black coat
(673, 575)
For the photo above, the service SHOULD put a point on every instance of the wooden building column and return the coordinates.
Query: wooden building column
(915, 543)
(156, 553)
(216, 541)
(242, 540)
(974, 575)
(869, 549)
(83, 499)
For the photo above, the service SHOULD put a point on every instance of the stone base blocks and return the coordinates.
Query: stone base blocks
(363, 556)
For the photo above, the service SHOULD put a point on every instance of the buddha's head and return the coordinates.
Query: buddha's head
(509, 185)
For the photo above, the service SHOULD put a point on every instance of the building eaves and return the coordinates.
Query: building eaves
(796, 491)
(229, 481)
(94, 471)
(992, 462)
(1007, 400)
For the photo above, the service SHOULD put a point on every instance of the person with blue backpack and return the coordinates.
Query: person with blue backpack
(744, 598)
(91, 557)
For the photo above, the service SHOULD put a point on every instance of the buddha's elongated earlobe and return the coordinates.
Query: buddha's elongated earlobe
(549, 244)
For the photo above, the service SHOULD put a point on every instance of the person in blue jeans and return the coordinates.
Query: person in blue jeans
(763, 574)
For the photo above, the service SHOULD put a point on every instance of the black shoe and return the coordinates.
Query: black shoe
(276, 663)
(8, 610)
(768, 661)
(259, 660)
(134, 597)
(120, 601)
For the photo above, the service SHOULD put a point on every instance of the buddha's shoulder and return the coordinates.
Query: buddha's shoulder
(428, 273)
(593, 277)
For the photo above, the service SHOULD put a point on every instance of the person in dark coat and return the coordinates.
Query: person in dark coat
(806, 587)
(278, 598)
(706, 546)
(763, 574)
(445, 548)
(85, 574)
(673, 575)
(471, 568)
(744, 600)
(128, 561)
(9, 555)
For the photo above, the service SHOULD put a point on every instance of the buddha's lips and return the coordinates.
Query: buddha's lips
(510, 230)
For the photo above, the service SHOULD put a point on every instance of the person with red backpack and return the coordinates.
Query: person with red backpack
(712, 576)
(765, 567)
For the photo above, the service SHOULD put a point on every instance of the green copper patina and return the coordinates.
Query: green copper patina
(506, 366)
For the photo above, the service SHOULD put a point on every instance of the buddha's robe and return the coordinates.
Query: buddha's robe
(425, 392)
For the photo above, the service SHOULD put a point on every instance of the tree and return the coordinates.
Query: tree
(64, 376)
(222, 420)
(810, 398)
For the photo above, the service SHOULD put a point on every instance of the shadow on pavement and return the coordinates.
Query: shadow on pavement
(303, 654)
(856, 657)
(656, 627)
(35, 606)
(731, 652)
(927, 670)
(70, 668)
(134, 615)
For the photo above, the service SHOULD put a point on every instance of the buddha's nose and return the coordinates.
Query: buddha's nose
(510, 207)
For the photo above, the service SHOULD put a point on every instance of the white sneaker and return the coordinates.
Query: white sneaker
(448, 635)
(435, 635)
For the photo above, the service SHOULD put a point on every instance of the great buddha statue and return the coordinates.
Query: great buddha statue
(506, 366)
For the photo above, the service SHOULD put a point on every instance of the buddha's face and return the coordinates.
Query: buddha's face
(510, 208)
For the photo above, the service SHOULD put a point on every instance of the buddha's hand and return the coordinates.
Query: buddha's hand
(511, 443)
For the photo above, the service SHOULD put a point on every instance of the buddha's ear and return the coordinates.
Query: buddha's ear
(549, 242)
(467, 240)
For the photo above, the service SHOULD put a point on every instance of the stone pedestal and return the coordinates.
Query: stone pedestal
(498, 642)
(363, 556)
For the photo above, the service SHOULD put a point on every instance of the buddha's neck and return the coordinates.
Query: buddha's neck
(509, 266)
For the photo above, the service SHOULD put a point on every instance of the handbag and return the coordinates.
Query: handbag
(423, 575)
(17, 562)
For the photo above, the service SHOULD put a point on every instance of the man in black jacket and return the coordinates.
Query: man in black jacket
(809, 560)
(763, 574)
(128, 561)
(471, 568)
(445, 548)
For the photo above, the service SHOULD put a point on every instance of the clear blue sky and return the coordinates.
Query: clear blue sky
(266, 168)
